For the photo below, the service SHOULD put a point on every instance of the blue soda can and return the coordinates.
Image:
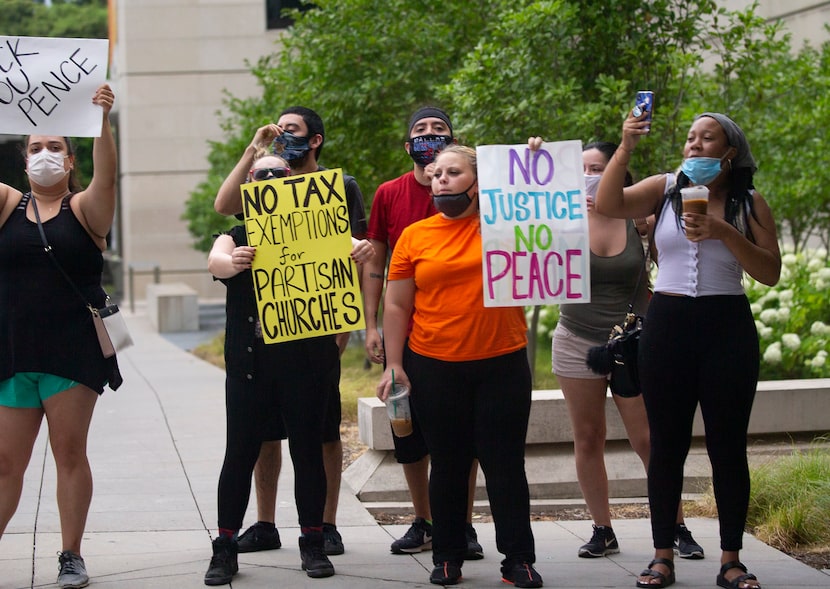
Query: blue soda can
(644, 102)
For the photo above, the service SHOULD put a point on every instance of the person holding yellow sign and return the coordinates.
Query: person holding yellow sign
(301, 132)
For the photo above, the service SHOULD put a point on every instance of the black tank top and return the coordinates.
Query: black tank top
(44, 324)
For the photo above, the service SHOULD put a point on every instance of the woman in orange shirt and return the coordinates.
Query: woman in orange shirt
(466, 366)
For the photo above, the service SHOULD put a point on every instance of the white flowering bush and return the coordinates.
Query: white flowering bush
(792, 318)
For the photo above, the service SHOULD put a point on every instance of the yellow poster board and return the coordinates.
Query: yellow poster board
(305, 282)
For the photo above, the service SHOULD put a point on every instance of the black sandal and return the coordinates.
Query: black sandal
(665, 581)
(736, 582)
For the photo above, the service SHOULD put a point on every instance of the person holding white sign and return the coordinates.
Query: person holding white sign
(617, 260)
(699, 344)
(51, 361)
(467, 369)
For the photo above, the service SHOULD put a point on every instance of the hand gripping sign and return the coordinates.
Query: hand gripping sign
(305, 282)
(47, 85)
(534, 225)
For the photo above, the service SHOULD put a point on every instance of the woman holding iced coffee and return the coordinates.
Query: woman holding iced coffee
(466, 366)
(699, 344)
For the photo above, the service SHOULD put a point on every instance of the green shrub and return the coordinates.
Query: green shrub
(793, 317)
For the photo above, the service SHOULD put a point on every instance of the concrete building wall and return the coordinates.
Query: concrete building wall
(171, 61)
(805, 19)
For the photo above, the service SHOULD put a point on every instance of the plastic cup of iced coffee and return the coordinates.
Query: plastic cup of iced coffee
(695, 199)
(399, 411)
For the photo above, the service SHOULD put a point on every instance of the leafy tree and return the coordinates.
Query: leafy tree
(364, 66)
(781, 98)
(559, 68)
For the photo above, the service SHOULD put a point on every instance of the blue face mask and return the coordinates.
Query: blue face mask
(290, 147)
(701, 170)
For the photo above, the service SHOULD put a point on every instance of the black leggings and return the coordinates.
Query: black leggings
(475, 409)
(699, 351)
(293, 379)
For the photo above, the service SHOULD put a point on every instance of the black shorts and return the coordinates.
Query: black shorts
(331, 421)
(411, 448)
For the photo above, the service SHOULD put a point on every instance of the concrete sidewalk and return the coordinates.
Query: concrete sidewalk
(156, 449)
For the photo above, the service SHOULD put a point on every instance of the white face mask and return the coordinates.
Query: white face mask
(591, 183)
(46, 168)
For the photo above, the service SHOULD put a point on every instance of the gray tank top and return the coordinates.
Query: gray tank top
(613, 280)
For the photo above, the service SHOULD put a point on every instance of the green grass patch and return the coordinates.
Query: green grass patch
(789, 503)
(790, 499)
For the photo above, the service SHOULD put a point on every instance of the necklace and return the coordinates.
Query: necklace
(49, 207)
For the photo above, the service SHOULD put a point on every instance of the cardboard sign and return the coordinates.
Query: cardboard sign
(305, 282)
(534, 225)
(47, 85)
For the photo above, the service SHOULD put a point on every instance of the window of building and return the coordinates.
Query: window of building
(274, 8)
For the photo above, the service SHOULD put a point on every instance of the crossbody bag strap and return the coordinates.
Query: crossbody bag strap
(643, 266)
(48, 249)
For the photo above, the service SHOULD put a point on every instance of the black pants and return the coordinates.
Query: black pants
(699, 351)
(475, 409)
(293, 379)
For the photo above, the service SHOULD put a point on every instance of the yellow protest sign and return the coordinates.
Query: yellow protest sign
(305, 282)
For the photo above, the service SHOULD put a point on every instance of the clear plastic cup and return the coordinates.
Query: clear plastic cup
(695, 199)
(400, 414)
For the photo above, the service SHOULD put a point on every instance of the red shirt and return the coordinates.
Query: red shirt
(398, 203)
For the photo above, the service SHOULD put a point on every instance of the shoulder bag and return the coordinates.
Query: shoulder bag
(619, 355)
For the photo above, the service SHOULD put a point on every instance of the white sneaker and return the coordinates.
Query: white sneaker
(71, 571)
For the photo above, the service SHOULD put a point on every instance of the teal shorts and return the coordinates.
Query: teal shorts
(28, 390)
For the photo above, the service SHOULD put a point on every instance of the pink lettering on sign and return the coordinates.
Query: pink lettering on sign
(549, 273)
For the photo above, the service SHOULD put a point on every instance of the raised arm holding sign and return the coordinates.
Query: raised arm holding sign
(46, 84)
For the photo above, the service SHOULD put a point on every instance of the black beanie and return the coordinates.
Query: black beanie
(428, 112)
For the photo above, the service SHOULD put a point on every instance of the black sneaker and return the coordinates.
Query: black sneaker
(521, 574)
(260, 536)
(332, 541)
(223, 565)
(417, 538)
(602, 543)
(445, 573)
(71, 571)
(684, 545)
(315, 562)
(474, 549)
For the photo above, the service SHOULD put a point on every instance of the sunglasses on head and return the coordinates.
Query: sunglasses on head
(265, 173)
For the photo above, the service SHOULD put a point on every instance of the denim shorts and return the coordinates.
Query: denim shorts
(568, 354)
(28, 390)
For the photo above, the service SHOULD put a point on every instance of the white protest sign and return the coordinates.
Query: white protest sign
(47, 85)
(534, 225)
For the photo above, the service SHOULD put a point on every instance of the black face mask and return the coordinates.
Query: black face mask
(290, 147)
(423, 149)
(453, 205)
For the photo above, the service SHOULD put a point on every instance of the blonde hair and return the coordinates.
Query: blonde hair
(467, 152)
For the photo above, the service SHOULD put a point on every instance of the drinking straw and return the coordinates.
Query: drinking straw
(394, 405)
